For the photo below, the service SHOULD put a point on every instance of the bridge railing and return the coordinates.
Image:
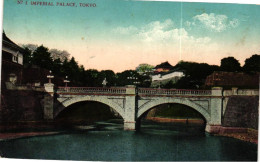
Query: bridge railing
(242, 92)
(248, 92)
(122, 90)
(153, 91)
(92, 90)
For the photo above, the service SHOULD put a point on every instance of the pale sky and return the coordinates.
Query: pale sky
(119, 35)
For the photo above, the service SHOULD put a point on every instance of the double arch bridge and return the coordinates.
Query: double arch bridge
(131, 102)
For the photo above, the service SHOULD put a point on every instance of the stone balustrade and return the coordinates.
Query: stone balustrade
(92, 90)
(141, 91)
(247, 92)
(241, 92)
(153, 91)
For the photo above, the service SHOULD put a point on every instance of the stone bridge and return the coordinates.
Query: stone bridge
(131, 102)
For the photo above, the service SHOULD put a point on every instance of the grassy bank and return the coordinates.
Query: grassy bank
(171, 120)
(251, 135)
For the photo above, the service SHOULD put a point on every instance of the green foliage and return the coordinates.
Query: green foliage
(230, 64)
(109, 75)
(252, 64)
(42, 58)
(57, 66)
(145, 81)
(195, 74)
(27, 56)
(69, 68)
(168, 85)
(90, 78)
(73, 71)
(196, 70)
(144, 68)
(122, 78)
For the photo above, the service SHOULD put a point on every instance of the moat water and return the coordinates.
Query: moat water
(107, 141)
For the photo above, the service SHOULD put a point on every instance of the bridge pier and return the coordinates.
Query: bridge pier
(216, 108)
(130, 108)
(48, 101)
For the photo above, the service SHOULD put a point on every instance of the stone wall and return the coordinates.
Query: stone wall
(25, 105)
(242, 111)
(11, 68)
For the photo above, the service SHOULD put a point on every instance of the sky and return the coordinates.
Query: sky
(119, 35)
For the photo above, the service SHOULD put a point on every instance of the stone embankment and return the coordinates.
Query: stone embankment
(170, 120)
(4, 136)
(248, 135)
(244, 134)
(13, 130)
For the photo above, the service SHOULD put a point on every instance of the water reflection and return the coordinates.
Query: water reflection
(106, 141)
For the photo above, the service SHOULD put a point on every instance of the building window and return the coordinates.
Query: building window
(15, 59)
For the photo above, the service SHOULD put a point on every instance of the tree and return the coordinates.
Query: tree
(144, 68)
(73, 71)
(109, 75)
(252, 64)
(195, 74)
(81, 74)
(57, 54)
(65, 67)
(57, 66)
(31, 47)
(42, 58)
(123, 78)
(230, 64)
(27, 56)
(90, 78)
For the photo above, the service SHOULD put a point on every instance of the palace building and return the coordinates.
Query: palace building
(163, 67)
(12, 61)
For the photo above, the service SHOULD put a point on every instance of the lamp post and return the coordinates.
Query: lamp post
(66, 81)
(50, 76)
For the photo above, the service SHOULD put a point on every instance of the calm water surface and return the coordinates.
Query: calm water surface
(108, 142)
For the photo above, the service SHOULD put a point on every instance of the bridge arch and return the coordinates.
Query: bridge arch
(100, 99)
(186, 102)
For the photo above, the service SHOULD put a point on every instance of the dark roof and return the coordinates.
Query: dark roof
(5, 38)
(164, 65)
(8, 42)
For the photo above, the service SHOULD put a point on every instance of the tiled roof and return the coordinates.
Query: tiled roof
(8, 42)
(164, 65)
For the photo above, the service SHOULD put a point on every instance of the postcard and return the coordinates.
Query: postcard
(116, 80)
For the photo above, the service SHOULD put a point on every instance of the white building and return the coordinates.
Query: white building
(164, 78)
(161, 77)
